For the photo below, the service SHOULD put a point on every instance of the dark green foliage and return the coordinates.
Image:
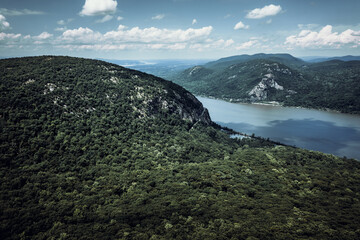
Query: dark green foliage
(89, 151)
(326, 85)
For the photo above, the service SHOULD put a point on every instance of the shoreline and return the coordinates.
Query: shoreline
(276, 104)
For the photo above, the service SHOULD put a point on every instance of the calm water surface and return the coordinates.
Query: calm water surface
(328, 132)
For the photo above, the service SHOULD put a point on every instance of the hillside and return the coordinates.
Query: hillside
(91, 150)
(277, 77)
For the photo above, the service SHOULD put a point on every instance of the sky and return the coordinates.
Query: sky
(178, 29)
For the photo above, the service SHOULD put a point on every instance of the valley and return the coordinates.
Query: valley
(324, 131)
(282, 78)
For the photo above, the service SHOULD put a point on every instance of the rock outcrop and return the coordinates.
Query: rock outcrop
(260, 91)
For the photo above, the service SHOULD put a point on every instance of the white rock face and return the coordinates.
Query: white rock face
(194, 70)
(259, 92)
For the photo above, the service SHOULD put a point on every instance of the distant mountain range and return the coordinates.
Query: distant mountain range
(324, 59)
(160, 68)
(332, 84)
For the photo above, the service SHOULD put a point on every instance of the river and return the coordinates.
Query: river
(328, 132)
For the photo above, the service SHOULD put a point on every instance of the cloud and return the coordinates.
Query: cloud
(269, 10)
(61, 29)
(308, 26)
(269, 21)
(8, 12)
(61, 22)
(119, 18)
(98, 7)
(194, 21)
(43, 36)
(3, 23)
(211, 44)
(136, 38)
(81, 36)
(241, 25)
(158, 17)
(11, 36)
(325, 37)
(153, 34)
(229, 42)
(64, 22)
(122, 38)
(105, 19)
(176, 46)
(246, 45)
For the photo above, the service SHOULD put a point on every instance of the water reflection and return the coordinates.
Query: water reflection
(307, 133)
(328, 132)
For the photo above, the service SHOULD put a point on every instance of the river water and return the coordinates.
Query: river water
(328, 132)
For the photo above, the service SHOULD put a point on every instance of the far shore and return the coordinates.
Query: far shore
(272, 103)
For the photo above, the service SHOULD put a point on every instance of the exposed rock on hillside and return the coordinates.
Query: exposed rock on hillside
(260, 91)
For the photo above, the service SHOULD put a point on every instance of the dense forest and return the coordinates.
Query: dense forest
(283, 78)
(91, 150)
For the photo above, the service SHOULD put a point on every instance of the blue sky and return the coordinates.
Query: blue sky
(178, 29)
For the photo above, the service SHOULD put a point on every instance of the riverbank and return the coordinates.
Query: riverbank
(324, 131)
(274, 104)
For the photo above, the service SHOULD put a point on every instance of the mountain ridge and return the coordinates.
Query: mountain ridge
(313, 85)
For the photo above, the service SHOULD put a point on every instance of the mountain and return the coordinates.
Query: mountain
(92, 150)
(277, 77)
(343, 58)
(280, 58)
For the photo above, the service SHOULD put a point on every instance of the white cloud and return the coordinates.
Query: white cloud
(246, 45)
(98, 7)
(211, 44)
(64, 22)
(229, 42)
(81, 36)
(325, 37)
(241, 25)
(137, 38)
(11, 36)
(119, 18)
(308, 26)
(8, 12)
(176, 46)
(3, 23)
(43, 36)
(194, 21)
(158, 17)
(61, 22)
(105, 19)
(61, 29)
(153, 34)
(269, 21)
(269, 10)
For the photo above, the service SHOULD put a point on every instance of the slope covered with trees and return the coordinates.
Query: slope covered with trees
(277, 77)
(91, 150)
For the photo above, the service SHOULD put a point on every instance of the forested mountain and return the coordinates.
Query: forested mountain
(91, 150)
(280, 58)
(332, 84)
(343, 58)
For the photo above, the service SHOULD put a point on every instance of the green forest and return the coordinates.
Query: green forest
(325, 85)
(92, 150)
